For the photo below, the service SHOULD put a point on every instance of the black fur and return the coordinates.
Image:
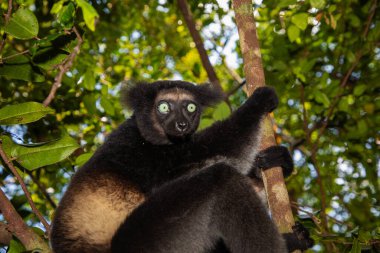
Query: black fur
(198, 199)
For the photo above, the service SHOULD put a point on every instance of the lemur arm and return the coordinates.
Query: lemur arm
(227, 137)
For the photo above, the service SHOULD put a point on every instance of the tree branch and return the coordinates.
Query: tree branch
(277, 194)
(17, 226)
(63, 68)
(184, 8)
(6, 19)
(9, 164)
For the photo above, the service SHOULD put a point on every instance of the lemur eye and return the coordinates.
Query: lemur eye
(163, 107)
(191, 107)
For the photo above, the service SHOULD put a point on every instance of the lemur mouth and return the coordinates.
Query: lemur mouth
(182, 137)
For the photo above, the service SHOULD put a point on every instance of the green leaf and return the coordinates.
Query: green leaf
(89, 102)
(66, 16)
(222, 111)
(356, 247)
(23, 113)
(35, 157)
(89, 13)
(359, 89)
(26, 72)
(83, 158)
(318, 4)
(322, 98)
(57, 7)
(89, 80)
(15, 247)
(300, 20)
(293, 33)
(107, 106)
(23, 25)
(205, 122)
(286, 3)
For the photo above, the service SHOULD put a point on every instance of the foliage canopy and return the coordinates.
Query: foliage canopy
(322, 56)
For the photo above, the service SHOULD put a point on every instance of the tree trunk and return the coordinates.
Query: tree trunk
(277, 194)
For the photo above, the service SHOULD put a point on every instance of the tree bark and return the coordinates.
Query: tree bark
(16, 225)
(277, 194)
(5, 235)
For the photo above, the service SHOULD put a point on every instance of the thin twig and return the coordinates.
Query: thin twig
(314, 161)
(336, 99)
(8, 162)
(14, 55)
(370, 17)
(43, 190)
(235, 89)
(6, 19)
(63, 68)
(186, 12)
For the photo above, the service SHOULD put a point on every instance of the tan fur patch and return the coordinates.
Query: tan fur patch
(174, 94)
(96, 214)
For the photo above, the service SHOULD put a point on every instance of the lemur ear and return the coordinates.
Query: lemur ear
(207, 95)
(136, 95)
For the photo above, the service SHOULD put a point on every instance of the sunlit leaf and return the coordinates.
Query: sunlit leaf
(205, 122)
(293, 33)
(66, 15)
(57, 7)
(318, 4)
(89, 13)
(35, 157)
(23, 25)
(15, 247)
(23, 113)
(83, 158)
(300, 20)
(222, 111)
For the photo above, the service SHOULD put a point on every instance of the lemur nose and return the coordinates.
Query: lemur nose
(181, 126)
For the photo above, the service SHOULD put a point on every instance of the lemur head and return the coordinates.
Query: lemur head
(169, 111)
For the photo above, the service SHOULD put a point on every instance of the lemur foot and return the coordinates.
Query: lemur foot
(299, 239)
(303, 236)
(275, 156)
(265, 98)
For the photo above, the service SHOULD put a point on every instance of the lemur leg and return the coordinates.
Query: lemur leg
(275, 156)
(191, 213)
(298, 240)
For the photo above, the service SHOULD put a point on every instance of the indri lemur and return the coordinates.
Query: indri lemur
(194, 187)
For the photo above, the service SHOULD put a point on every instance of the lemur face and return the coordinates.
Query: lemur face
(177, 113)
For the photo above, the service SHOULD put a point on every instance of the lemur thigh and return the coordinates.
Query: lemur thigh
(192, 212)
